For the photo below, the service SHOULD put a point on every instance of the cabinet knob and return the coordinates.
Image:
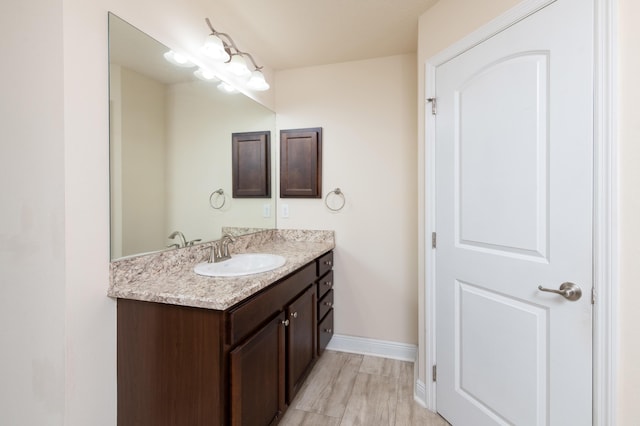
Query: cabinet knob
(328, 262)
(328, 330)
(327, 283)
(294, 314)
(285, 322)
(328, 303)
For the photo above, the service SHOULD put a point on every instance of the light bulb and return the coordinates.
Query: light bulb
(205, 74)
(178, 59)
(226, 87)
(238, 66)
(257, 81)
(214, 48)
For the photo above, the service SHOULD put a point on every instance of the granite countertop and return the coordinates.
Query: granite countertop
(168, 277)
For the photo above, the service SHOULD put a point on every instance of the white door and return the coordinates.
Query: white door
(514, 151)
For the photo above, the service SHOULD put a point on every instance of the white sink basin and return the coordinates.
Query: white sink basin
(241, 264)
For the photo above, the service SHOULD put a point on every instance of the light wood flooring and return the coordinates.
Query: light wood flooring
(348, 389)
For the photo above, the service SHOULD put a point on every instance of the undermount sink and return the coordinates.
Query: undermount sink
(241, 264)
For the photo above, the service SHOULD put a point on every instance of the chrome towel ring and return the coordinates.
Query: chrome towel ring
(214, 199)
(338, 193)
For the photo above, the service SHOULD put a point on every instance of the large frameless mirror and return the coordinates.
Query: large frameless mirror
(171, 150)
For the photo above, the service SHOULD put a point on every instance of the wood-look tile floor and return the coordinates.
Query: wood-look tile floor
(346, 389)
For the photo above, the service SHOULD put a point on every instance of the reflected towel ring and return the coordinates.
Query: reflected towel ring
(337, 192)
(213, 198)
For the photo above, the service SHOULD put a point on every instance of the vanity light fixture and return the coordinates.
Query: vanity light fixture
(257, 81)
(221, 47)
(238, 66)
(214, 48)
(178, 59)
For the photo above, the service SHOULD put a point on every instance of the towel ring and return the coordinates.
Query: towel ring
(337, 192)
(213, 197)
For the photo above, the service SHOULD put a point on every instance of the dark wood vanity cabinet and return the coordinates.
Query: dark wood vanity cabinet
(324, 288)
(241, 366)
(257, 376)
(301, 340)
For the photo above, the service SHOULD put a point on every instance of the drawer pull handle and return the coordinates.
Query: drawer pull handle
(285, 322)
(294, 314)
(328, 330)
(328, 304)
(327, 283)
(328, 262)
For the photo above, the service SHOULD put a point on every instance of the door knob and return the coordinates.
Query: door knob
(569, 291)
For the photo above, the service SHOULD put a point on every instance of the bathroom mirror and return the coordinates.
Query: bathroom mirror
(171, 150)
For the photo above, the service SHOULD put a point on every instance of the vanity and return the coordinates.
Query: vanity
(197, 350)
(192, 349)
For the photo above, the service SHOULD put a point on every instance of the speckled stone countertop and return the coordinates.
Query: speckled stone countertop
(168, 277)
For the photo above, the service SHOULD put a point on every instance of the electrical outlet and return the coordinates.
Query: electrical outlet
(266, 210)
(285, 210)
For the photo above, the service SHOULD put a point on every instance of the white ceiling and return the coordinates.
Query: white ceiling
(300, 33)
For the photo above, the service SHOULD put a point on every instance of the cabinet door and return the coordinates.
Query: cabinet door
(301, 339)
(257, 376)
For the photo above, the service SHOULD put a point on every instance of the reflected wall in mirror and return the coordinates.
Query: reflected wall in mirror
(170, 149)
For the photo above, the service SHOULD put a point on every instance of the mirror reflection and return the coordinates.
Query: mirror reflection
(170, 150)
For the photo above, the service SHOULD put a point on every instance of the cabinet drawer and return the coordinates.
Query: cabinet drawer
(325, 331)
(325, 284)
(247, 317)
(325, 263)
(325, 304)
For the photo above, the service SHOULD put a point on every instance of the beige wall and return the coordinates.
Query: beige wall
(32, 215)
(628, 137)
(142, 150)
(368, 115)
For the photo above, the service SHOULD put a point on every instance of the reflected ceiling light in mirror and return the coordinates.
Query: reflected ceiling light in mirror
(206, 75)
(220, 46)
(257, 81)
(226, 87)
(178, 59)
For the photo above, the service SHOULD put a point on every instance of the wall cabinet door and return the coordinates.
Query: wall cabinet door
(301, 339)
(257, 372)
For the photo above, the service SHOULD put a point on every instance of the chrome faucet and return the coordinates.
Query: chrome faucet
(220, 250)
(182, 243)
(226, 239)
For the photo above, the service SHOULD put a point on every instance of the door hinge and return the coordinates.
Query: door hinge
(593, 295)
(434, 373)
(434, 105)
(433, 240)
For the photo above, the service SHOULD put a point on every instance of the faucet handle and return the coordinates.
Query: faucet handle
(227, 236)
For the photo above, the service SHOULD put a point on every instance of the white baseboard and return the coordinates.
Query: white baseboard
(381, 348)
(420, 393)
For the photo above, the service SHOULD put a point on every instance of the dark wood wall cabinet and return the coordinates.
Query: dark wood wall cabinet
(251, 164)
(301, 163)
(180, 365)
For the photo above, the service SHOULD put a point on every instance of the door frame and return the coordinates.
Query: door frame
(605, 204)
